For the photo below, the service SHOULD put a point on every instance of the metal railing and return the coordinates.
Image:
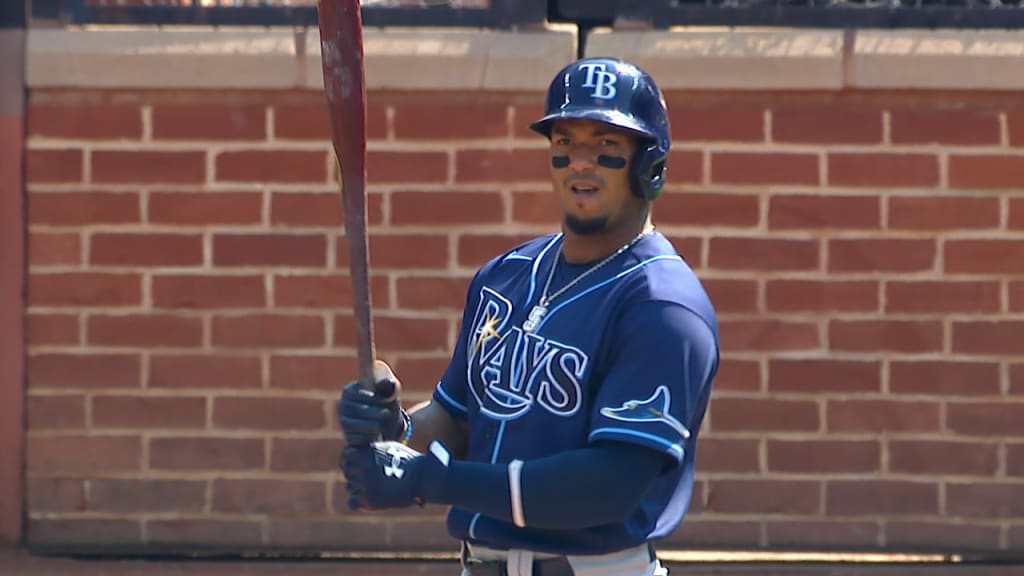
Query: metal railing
(455, 13)
(511, 14)
(801, 13)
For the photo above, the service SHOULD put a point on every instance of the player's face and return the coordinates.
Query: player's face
(590, 172)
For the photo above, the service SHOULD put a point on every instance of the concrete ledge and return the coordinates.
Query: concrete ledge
(781, 59)
(940, 59)
(433, 59)
(464, 60)
(12, 93)
(721, 59)
(396, 59)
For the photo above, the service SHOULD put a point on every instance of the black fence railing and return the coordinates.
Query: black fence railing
(802, 13)
(506, 14)
(454, 13)
(12, 14)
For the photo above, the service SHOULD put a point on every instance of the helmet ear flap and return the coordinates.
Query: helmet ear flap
(648, 171)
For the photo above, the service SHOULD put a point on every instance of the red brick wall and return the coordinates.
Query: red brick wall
(189, 330)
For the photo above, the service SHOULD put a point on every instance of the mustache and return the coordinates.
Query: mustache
(592, 178)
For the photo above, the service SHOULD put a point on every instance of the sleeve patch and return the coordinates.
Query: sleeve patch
(653, 409)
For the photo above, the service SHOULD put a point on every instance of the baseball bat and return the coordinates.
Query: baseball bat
(341, 53)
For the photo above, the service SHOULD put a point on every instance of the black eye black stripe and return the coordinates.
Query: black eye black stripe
(613, 162)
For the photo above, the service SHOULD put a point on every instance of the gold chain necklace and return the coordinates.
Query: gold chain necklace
(540, 309)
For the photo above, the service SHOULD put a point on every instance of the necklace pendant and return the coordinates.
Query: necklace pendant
(533, 319)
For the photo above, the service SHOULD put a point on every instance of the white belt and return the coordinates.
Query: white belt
(635, 561)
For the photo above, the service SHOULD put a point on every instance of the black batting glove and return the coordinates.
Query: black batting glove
(368, 416)
(392, 475)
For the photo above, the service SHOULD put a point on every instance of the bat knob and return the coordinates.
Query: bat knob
(386, 384)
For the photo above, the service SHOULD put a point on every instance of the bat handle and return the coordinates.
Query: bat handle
(365, 351)
(367, 379)
(354, 195)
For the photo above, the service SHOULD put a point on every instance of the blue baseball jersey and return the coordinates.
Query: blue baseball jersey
(626, 355)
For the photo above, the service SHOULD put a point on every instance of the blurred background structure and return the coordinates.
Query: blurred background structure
(847, 177)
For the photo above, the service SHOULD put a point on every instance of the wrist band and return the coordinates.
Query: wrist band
(515, 471)
(407, 420)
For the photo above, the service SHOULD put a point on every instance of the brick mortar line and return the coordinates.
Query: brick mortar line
(888, 316)
(867, 475)
(537, 186)
(86, 164)
(208, 394)
(482, 186)
(329, 395)
(139, 515)
(307, 311)
(449, 146)
(881, 519)
(188, 229)
(814, 437)
(1005, 378)
(147, 122)
(944, 169)
(874, 397)
(182, 434)
(417, 312)
(711, 231)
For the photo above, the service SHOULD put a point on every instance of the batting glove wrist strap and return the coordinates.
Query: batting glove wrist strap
(406, 427)
(432, 474)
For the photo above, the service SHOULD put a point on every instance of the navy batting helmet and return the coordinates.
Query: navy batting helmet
(618, 93)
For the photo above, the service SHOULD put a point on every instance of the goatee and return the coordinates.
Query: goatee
(586, 227)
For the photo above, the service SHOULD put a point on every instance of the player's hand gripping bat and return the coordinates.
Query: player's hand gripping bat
(341, 53)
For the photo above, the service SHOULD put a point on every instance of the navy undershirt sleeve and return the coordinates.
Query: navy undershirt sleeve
(600, 484)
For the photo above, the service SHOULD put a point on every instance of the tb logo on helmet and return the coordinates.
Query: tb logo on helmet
(602, 81)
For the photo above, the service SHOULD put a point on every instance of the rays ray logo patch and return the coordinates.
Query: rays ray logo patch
(653, 409)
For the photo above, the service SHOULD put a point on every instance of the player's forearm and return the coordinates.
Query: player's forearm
(432, 422)
(577, 489)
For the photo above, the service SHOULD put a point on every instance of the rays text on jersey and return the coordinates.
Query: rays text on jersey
(510, 371)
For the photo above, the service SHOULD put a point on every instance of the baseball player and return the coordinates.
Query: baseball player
(563, 432)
